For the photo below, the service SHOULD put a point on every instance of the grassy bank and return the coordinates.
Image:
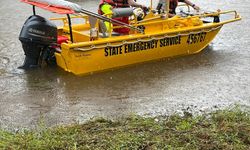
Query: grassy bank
(227, 129)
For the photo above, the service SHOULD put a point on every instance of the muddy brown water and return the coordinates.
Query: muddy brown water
(215, 78)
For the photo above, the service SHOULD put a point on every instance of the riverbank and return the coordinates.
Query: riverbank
(222, 129)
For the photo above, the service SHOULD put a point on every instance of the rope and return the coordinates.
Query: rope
(92, 47)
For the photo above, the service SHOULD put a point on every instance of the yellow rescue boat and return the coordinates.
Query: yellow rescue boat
(81, 52)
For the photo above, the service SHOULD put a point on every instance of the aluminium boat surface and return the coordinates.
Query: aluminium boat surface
(162, 37)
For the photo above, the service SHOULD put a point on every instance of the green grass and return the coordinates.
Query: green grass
(223, 129)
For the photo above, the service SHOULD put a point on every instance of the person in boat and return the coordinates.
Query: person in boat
(174, 3)
(106, 6)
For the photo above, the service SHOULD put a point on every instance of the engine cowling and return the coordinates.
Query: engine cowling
(37, 34)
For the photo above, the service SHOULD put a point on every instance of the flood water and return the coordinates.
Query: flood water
(215, 78)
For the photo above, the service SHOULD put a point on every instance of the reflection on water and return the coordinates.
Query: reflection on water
(219, 76)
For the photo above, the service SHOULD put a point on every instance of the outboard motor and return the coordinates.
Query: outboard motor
(37, 35)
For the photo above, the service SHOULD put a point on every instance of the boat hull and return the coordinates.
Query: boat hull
(88, 59)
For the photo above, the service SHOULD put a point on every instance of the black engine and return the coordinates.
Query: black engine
(37, 36)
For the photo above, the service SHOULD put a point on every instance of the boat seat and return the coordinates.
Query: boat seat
(101, 34)
(116, 34)
(80, 36)
(106, 35)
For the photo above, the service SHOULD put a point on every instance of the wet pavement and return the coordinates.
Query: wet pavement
(215, 78)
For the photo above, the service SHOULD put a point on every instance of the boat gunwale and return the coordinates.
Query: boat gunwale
(138, 36)
(148, 35)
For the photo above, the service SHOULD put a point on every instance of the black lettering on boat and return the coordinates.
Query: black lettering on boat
(112, 51)
(196, 38)
(169, 41)
(140, 46)
(106, 52)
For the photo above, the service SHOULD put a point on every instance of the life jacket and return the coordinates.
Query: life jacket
(114, 4)
(117, 4)
(172, 6)
(122, 30)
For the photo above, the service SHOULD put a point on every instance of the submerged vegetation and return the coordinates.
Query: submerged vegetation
(222, 129)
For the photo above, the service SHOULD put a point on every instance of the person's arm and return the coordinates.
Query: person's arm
(134, 4)
(191, 4)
